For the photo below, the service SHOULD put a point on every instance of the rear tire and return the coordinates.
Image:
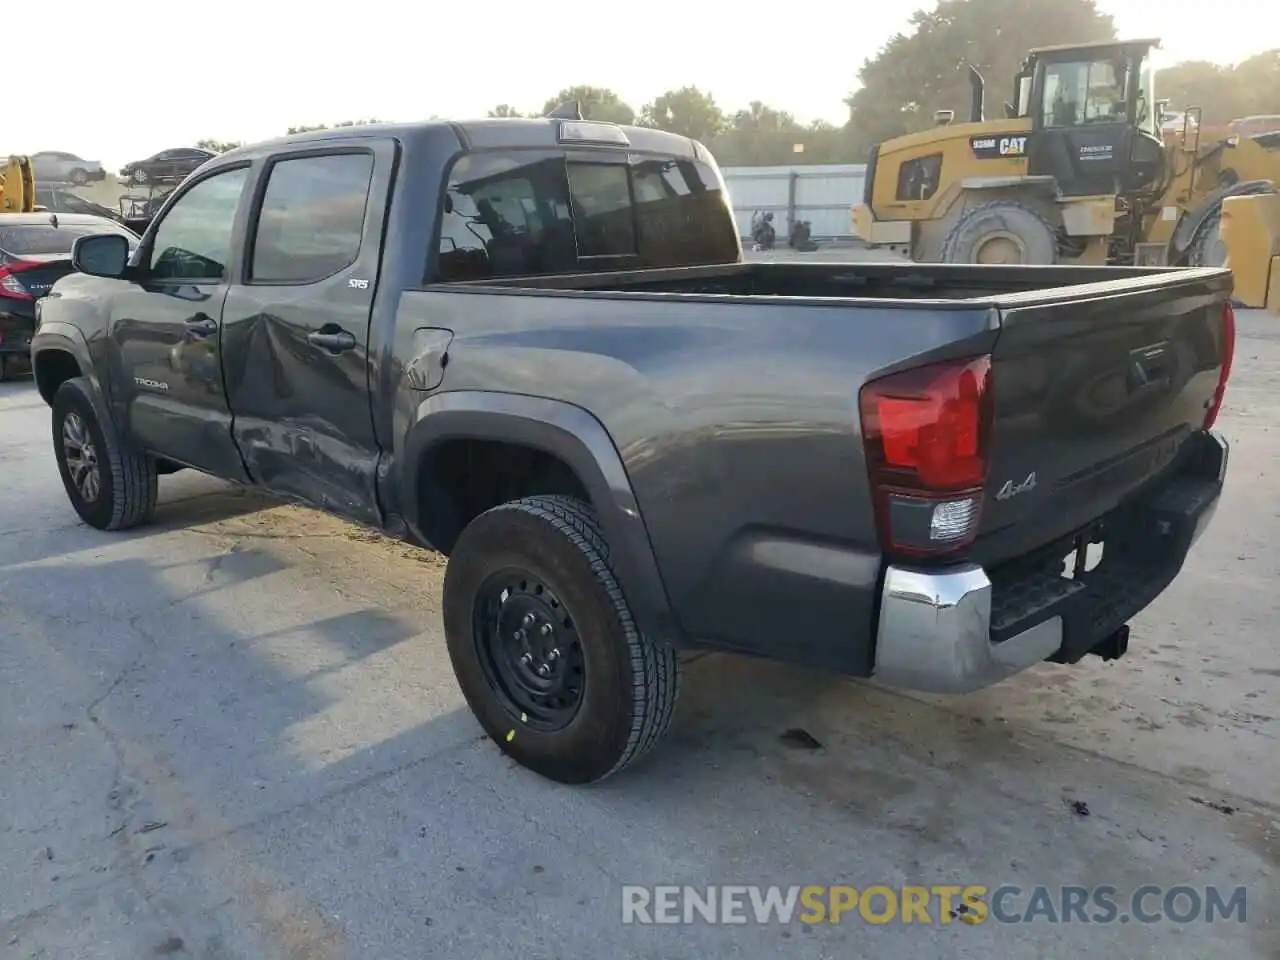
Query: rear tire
(531, 604)
(1002, 231)
(110, 487)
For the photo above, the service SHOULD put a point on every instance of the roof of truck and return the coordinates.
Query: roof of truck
(487, 133)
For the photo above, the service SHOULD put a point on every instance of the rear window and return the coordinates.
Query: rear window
(525, 213)
(38, 239)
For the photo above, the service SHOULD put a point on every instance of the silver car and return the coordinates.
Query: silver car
(55, 166)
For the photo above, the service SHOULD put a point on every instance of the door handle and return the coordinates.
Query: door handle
(332, 339)
(202, 325)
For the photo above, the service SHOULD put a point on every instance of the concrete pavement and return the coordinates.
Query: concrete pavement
(235, 733)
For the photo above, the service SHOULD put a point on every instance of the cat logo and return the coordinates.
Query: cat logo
(993, 148)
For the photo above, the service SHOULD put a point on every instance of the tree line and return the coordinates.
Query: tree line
(917, 72)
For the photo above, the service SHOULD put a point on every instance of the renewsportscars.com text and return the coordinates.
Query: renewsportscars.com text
(940, 904)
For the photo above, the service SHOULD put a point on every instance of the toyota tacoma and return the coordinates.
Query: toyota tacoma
(534, 346)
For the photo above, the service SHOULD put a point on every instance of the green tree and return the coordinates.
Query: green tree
(218, 146)
(921, 70)
(1199, 83)
(687, 111)
(1223, 92)
(598, 103)
(760, 135)
(505, 110)
(1259, 83)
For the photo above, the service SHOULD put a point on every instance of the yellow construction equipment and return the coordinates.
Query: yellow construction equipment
(1251, 235)
(17, 186)
(1079, 170)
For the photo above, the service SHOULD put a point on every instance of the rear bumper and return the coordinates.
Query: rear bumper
(963, 628)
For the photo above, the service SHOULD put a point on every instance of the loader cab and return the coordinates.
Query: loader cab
(1095, 123)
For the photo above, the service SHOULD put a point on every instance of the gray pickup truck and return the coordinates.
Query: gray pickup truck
(534, 346)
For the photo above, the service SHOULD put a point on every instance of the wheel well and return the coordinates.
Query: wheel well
(53, 368)
(460, 479)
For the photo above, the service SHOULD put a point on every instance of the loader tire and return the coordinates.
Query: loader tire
(1001, 232)
(1207, 249)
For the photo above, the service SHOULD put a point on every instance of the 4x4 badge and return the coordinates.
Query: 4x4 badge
(1011, 489)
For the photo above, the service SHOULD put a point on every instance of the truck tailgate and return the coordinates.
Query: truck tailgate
(1096, 395)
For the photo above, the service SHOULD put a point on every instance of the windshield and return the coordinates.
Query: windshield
(1083, 92)
(42, 239)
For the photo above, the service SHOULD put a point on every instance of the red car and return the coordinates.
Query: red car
(35, 252)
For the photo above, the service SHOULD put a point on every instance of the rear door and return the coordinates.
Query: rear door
(1095, 396)
(296, 326)
(164, 330)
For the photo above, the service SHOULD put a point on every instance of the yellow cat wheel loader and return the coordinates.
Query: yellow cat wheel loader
(1077, 171)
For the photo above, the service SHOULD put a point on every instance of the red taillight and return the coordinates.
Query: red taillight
(10, 285)
(1228, 354)
(926, 432)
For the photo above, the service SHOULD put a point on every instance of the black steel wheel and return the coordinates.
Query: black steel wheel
(529, 649)
(544, 646)
(111, 487)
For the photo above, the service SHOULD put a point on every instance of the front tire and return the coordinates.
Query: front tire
(545, 648)
(1208, 248)
(111, 488)
(79, 177)
(139, 176)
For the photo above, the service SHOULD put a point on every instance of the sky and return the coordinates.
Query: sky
(248, 70)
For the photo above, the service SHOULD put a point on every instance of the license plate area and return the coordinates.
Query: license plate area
(1085, 555)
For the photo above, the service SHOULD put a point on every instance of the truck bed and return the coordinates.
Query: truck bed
(864, 281)
(727, 387)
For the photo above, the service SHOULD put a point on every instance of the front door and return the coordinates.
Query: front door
(296, 328)
(1081, 134)
(165, 330)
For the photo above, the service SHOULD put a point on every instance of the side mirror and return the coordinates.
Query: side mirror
(101, 255)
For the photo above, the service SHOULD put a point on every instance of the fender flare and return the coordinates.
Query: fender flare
(68, 338)
(1184, 234)
(581, 441)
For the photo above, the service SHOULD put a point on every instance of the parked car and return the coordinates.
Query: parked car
(61, 200)
(35, 250)
(167, 166)
(54, 166)
(533, 345)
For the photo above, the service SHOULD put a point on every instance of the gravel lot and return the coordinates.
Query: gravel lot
(235, 734)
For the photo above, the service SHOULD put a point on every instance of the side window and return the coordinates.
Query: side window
(312, 218)
(682, 214)
(506, 215)
(530, 213)
(600, 195)
(193, 241)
